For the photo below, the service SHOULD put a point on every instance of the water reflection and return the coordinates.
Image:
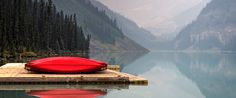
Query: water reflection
(57, 90)
(183, 75)
(118, 58)
(57, 93)
(75, 93)
(215, 74)
(171, 75)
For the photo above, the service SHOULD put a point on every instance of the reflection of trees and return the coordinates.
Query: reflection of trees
(62, 93)
(117, 58)
(112, 61)
(15, 60)
(14, 94)
(26, 59)
(148, 62)
(214, 73)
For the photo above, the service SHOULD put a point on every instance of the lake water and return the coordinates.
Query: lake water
(170, 75)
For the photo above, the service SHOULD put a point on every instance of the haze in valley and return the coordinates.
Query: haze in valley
(163, 18)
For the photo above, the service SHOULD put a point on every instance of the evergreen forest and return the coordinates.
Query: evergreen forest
(37, 26)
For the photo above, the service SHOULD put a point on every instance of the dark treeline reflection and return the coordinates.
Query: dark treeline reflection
(26, 59)
(118, 58)
(14, 94)
(59, 93)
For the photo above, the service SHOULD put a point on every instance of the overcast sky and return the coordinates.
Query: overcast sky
(156, 15)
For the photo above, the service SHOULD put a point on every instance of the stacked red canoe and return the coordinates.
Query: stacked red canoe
(65, 65)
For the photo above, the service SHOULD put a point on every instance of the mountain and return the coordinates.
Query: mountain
(129, 28)
(163, 18)
(214, 29)
(105, 34)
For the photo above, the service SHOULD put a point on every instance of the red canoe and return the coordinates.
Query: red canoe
(67, 93)
(65, 65)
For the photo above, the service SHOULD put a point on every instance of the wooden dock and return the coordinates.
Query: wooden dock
(14, 73)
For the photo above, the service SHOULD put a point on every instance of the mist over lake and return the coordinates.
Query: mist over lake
(183, 48)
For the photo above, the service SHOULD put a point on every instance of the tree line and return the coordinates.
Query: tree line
(36, 25)
(106, 29)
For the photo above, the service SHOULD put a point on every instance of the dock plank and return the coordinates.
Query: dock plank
(15, 73)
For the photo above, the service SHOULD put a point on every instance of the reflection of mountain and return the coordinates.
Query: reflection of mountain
(215, 74)
(106, 35)
(193, 75)
(146, 63)
(165, 80)
(213, 29)
(118, 58)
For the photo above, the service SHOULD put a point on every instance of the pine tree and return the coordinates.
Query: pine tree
(33, 25)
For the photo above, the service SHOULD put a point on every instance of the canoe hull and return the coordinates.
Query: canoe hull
(65, 65)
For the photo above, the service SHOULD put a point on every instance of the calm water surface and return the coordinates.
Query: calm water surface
(170, 75)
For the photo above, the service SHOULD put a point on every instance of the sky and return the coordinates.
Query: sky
(161, 17)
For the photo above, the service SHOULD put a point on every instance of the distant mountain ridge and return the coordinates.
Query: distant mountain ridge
(129, 28)
(106, 35)
(214, 29)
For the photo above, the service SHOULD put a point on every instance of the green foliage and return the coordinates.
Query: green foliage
(32, 25)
